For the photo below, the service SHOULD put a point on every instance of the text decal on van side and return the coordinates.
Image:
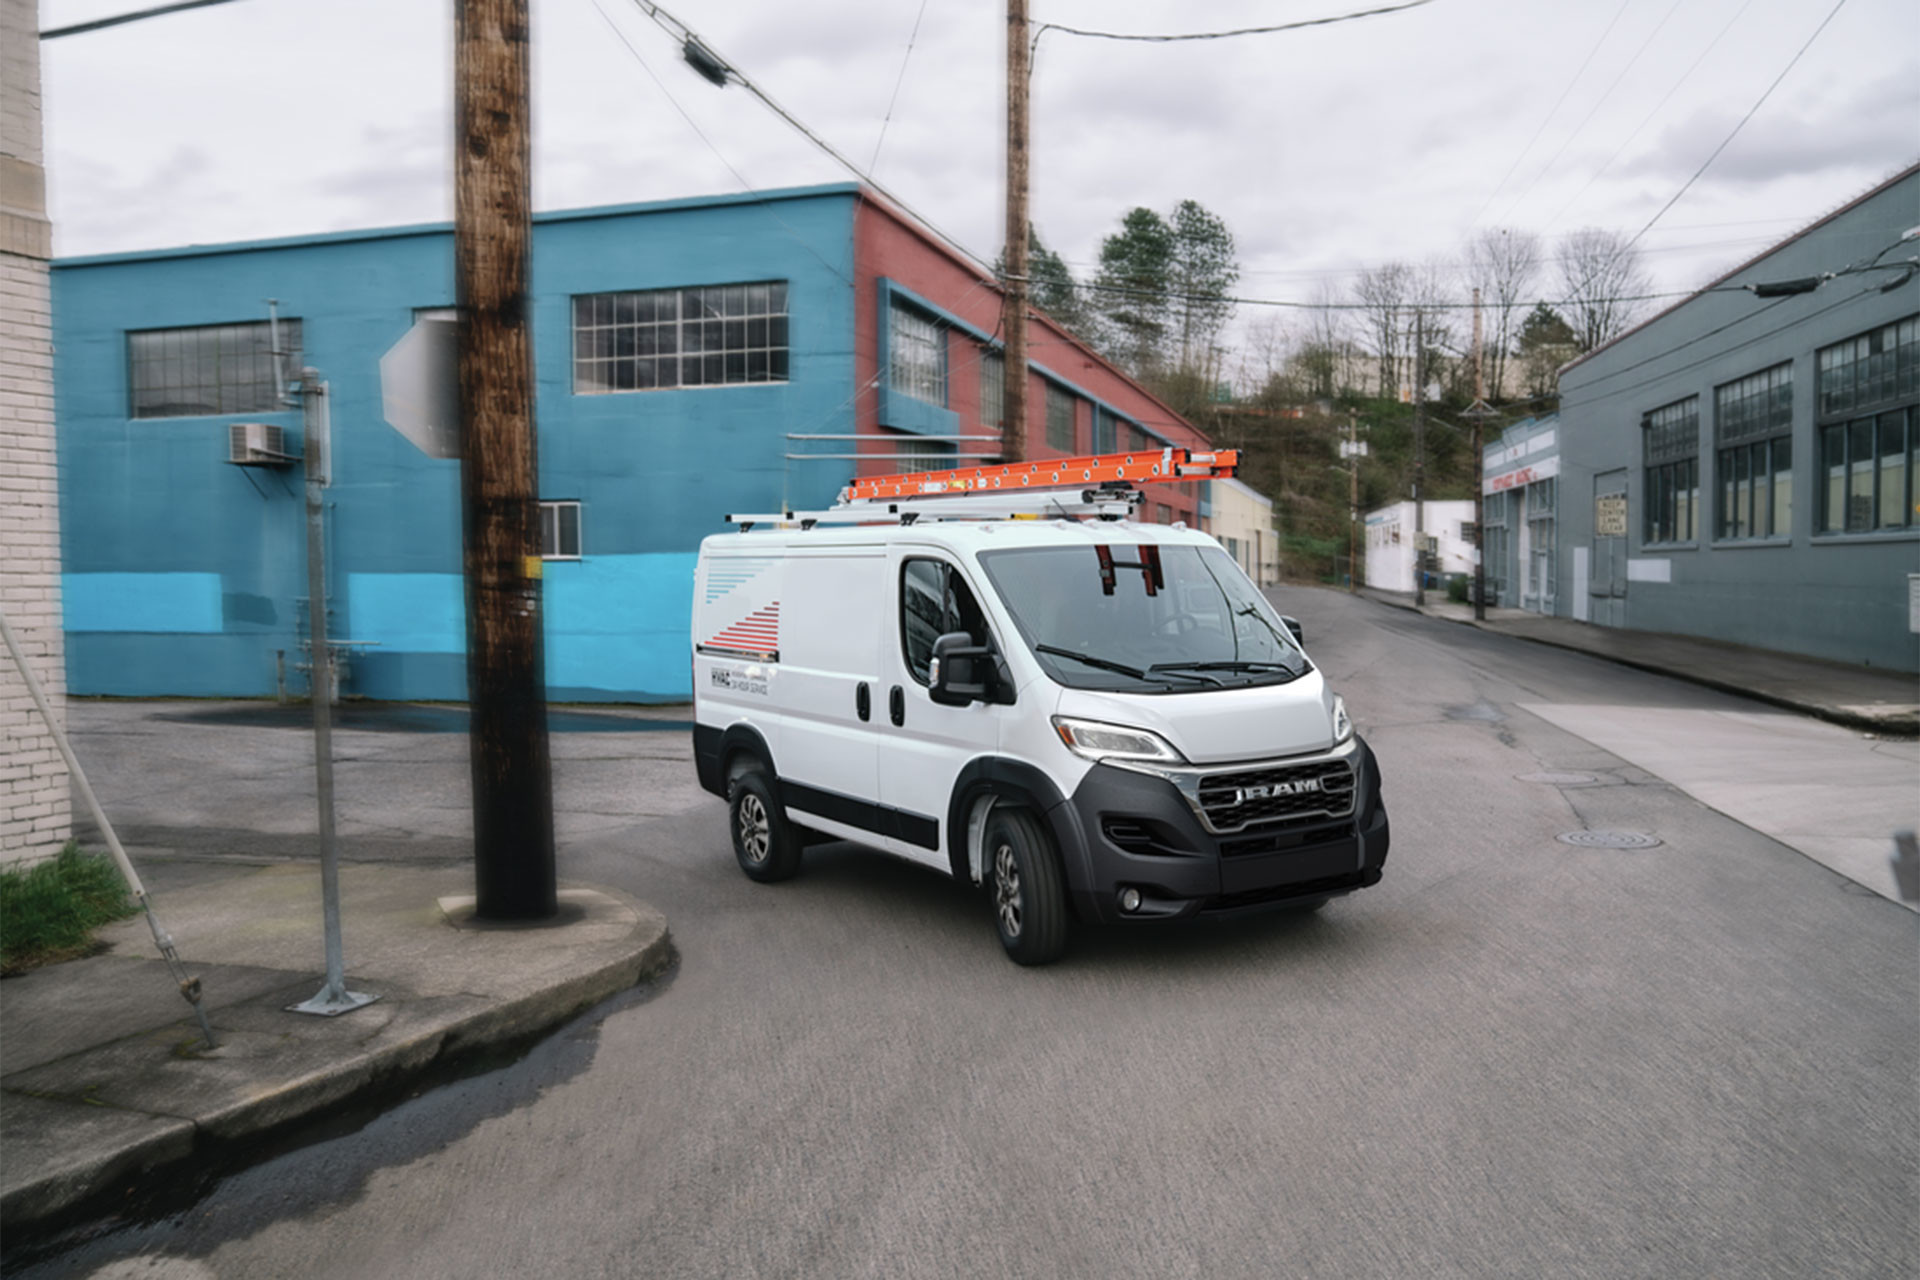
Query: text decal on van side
(749, 681)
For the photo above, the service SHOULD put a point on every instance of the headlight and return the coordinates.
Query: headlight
(1342, 722)
(1095, 741)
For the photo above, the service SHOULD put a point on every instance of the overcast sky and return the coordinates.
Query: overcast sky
(1325, 150)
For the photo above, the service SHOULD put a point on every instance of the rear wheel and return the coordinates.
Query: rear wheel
(764, 842)
(1029, 895)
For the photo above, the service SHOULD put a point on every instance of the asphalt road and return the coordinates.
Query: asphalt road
(1514, 1057)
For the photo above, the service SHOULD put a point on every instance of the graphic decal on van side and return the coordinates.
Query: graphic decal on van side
(757, 634)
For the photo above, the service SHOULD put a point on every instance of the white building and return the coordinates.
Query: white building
(34, 807)
(1390, 543)
(1242, 522)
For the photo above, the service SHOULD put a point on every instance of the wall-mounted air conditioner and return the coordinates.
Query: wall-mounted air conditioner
(258, 444)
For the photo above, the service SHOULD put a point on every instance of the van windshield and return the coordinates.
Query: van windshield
(1143, 618)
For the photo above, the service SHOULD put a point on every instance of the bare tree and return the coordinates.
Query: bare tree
(1326, 353)
(1383, 293)
(1602, 278)
(1504, 264)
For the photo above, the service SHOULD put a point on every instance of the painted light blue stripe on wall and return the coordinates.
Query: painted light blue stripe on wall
(620, 622)
(141, 601)
(408, 612)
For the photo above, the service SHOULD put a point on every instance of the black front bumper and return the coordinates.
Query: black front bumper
(1124, 829)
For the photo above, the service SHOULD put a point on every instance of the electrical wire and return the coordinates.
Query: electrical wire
(1594, 110)
(899, 80)
(1688, 184)
(728, 72)
(1541, 128)
(1045, 27)
(1648, 119)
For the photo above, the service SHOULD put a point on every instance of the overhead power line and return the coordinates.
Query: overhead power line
(98, 24)
(1742, 123)
(1045, 27)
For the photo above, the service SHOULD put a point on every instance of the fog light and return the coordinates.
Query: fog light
(1129, 899)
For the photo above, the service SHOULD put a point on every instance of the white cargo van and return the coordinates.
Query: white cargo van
(1092, 718)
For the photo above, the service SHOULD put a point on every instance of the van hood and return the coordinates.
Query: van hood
(1221, 725)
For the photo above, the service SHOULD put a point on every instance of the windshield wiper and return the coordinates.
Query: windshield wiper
(1223, 665)
(1108, 664)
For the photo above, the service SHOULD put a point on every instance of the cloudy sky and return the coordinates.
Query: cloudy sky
(1326, 150)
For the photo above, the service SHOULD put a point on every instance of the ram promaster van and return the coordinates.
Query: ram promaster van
(1091, 718)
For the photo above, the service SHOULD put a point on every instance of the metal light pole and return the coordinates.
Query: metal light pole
(333, 998)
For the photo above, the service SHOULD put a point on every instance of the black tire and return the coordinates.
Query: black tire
(764, 843)
(1023, 879)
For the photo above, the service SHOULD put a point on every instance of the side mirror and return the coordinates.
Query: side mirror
(1293, 625)
(961, 671)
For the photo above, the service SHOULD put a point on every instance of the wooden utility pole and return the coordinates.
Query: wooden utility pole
(506, 682)
(1478, 413)
(1013, 316)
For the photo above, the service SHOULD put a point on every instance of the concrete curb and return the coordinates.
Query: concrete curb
(70, 1143)
(1902, 724)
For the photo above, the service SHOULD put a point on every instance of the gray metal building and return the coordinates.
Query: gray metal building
(1742, 466)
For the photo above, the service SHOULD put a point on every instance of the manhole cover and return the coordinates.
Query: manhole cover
(1560, 779)
(1609, 839)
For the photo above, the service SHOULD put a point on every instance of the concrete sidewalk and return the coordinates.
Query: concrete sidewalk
(106, 1084)
(1865, 698)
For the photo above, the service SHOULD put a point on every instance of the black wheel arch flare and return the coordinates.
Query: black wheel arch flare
(1016, 782)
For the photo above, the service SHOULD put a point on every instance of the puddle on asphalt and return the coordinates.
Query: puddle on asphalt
(320, 1166)
(1483, 711)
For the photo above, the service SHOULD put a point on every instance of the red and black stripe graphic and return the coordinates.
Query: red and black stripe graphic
(758, 632)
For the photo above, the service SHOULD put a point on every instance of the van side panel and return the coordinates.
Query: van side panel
(834, 598)
(736, 647)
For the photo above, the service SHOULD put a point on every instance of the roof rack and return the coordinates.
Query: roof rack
(1100, 486)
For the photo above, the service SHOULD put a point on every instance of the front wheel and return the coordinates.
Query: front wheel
(1029, 898)
(764, 842)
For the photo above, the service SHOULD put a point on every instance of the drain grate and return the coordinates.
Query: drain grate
(1553, 779)
(1609, 839)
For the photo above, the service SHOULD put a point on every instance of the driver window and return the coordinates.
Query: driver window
(934, 600)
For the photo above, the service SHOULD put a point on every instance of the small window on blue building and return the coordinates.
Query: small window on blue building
(710, 336)
(560, 530)
(209, 369)
(916, 355)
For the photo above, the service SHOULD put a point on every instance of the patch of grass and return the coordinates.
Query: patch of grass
(48, 912)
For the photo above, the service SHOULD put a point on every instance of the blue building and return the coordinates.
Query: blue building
(679, 350)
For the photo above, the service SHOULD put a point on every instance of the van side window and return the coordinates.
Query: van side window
(934, 600)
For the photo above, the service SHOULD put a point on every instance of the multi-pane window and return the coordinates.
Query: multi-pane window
(917, 355)
(1868, 458)
(915, 454)
(716, 335)
(1672, 449)
(1869, 466)
(1753, 420)
(1106, 431)
(560, 530)
(993, 390)
(1871, 369)
(216, 368)
(1059, 419)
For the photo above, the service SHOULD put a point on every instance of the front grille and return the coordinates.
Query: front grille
(1283, 838)
(1322, 789)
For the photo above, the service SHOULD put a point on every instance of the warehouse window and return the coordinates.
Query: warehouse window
(1874, 368)
(217, 368)
(1753, 422)
(917, 355)
(1867, 458)
(1869, 466)
(993, 390)
(1671, 441)
(1059, 419)
(560, 530)
(716, 335)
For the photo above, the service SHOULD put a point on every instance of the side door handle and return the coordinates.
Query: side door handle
(897, 705)
(863, 701)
